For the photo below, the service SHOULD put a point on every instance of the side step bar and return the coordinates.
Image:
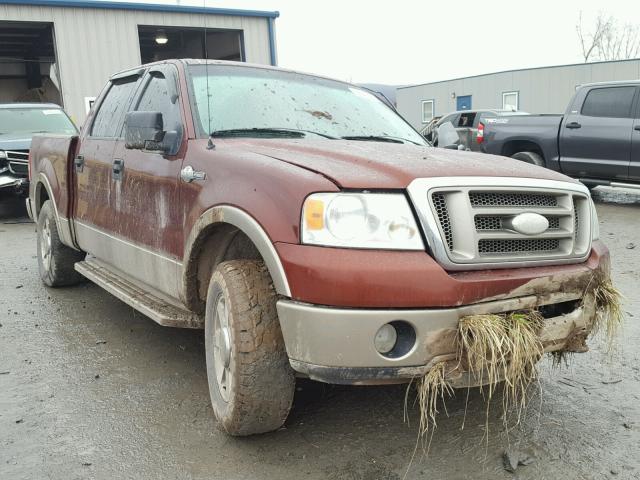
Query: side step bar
(146, 303)
(608, 183)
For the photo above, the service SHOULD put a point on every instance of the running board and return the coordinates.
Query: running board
(146, 303)
(608, 183)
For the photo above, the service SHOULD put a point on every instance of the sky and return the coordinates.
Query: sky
(407, 42)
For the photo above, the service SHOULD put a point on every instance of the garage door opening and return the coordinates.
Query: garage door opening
(28, 70)
(162, 43)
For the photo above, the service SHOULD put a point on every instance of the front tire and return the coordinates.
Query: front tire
(529, 157)
(55, 260)
(250, 380)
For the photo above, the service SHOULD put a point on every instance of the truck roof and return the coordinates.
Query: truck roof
(616, 82)
(29, 105)
(199, 61)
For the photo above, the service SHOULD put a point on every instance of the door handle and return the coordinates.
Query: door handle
(637, 127)
(573, 125)
(188, 174)
(117, 168)
(78, 163)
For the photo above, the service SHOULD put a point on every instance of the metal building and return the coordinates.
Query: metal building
(63, 51)
(534, 90)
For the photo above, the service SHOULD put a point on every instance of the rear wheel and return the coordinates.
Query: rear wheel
(529, 157)
(250, 380)
(55, 260)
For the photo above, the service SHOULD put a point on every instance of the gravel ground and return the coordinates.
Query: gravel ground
(89, 388)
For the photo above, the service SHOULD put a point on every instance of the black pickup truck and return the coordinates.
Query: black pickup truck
(596, 141)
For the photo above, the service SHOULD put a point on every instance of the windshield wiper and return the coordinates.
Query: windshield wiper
(267, 132)
(378, 138)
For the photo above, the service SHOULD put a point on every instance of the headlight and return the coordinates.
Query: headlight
(595, 225)
(360, 220)
(2, 154)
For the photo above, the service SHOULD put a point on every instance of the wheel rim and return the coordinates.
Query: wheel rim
(222, 348)
(45, 245)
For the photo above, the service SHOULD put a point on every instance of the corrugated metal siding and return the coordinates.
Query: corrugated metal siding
(92, 43)
(541, 90)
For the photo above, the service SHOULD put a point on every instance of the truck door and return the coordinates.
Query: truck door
(634, 164)
(145, 191)
(595, 141)
(92, 217)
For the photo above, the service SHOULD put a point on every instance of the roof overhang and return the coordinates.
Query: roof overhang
(153, 7)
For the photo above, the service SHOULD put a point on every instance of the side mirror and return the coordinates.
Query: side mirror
(144, 131)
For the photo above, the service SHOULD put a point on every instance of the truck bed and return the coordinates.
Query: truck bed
(502, 134)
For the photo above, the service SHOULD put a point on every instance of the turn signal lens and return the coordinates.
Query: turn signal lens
(314, 214)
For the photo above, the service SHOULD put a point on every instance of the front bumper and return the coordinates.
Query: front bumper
(335, 344)
(18, 184)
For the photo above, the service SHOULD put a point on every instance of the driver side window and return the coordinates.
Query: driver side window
(156, 98)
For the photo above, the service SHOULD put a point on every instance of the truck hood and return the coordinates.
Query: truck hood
(12, 141)
(357, 164)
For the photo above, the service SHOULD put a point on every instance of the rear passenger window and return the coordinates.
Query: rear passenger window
(156, 99)
(612, 102)
(466, 120)
(108, 121)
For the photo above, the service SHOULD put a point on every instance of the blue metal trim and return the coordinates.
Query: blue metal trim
(143, 6)
(272, 43)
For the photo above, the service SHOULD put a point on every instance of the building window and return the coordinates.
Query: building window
(427, 111)
(510, 100)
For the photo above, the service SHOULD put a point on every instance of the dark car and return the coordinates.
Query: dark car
(18, 123)
(469, 125)
(596, 141)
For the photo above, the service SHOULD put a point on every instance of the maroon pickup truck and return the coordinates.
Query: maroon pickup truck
(306, 227)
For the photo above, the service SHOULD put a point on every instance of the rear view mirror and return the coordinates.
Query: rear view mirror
(144, 131)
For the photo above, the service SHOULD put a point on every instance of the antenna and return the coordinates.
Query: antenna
(210, 144)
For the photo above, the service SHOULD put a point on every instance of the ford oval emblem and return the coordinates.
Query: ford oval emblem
(530, 223)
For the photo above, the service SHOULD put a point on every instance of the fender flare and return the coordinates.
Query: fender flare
(250, 227)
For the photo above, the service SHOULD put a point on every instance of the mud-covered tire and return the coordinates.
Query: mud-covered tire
(260, 382)
(55, 259)
(529, 157)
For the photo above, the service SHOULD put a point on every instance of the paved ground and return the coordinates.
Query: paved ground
(91, 389)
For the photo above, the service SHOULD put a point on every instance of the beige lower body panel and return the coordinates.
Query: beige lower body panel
(147, 267)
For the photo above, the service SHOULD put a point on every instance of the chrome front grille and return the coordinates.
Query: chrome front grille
(440, 205)
(492, 222)
(501, 199)
(470, 222)
(17, 161)
(497, 247)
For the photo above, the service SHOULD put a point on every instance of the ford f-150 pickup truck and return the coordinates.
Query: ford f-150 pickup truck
(307, 228)
(597, 140)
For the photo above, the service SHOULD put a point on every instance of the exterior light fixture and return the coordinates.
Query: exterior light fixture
(161, 37)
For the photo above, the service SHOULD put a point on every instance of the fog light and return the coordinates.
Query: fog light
(385, 338)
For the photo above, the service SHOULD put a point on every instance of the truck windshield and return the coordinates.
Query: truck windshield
(256, 102)
(35, 120)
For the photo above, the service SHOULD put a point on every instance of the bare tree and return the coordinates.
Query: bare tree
(609, 40)
(589, 41)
